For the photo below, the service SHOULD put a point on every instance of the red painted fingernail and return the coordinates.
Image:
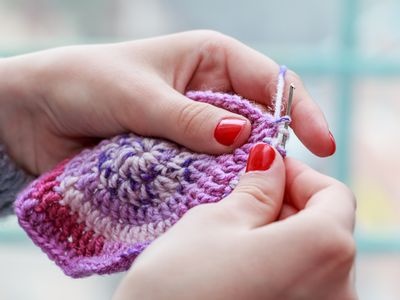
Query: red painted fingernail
(228, 130)
(260, 158)
(333, 142)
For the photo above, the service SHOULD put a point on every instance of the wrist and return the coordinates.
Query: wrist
(4, 96)
(17, 79)
(18, 104)
(16, 82)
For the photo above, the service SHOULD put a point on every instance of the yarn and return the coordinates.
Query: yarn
(96, 212)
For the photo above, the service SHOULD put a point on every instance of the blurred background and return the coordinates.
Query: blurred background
(347, 52)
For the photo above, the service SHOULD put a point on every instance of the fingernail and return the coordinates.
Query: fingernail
(228, 130)
(260, 158)
(333, 142)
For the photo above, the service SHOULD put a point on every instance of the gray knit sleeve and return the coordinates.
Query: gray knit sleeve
(12, 180)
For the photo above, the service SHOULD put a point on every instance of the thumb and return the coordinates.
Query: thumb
(257, 200)
(199, 126)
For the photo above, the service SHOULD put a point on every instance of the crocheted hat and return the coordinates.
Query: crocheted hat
(95, 213)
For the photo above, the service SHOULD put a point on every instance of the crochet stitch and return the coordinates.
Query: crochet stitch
(95, 213)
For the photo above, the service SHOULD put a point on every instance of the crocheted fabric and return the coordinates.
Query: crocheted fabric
(95, 213)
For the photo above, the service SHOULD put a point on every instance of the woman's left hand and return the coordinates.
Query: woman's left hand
(53, 103)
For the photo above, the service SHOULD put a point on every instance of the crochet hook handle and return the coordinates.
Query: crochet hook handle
(288, 109)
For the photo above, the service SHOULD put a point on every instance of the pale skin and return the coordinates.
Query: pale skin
(285, 233)
(56, 102)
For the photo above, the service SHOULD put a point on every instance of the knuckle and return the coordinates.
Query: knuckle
(349, 194)
(293, 76)
(256, 195)
(209, 34)
(335, 246)
(215, 44)
(192, 117)
(254, 191)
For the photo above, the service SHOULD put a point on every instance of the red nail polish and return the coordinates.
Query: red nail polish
(333, 142)
(260, 158)
(228, 130)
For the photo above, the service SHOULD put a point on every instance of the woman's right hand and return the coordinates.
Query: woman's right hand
(285, 232)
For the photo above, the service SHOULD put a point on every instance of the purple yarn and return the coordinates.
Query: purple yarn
(95, 213)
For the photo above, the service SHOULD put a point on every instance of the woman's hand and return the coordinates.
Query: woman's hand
(249, 246)
(53, 103)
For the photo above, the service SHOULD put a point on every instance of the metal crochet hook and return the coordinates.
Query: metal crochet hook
(288, 108)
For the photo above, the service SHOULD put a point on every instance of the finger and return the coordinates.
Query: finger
(325, 205)
(218, 62)
(258, 197)
(198, 126)
(254, 76)
(321, 232)
(287, 211)
(318, 194)
(317, 252)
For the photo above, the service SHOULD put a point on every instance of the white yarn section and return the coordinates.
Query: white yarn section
(278, 106)
(279, 93)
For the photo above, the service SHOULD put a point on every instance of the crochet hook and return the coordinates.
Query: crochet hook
(288, 108)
